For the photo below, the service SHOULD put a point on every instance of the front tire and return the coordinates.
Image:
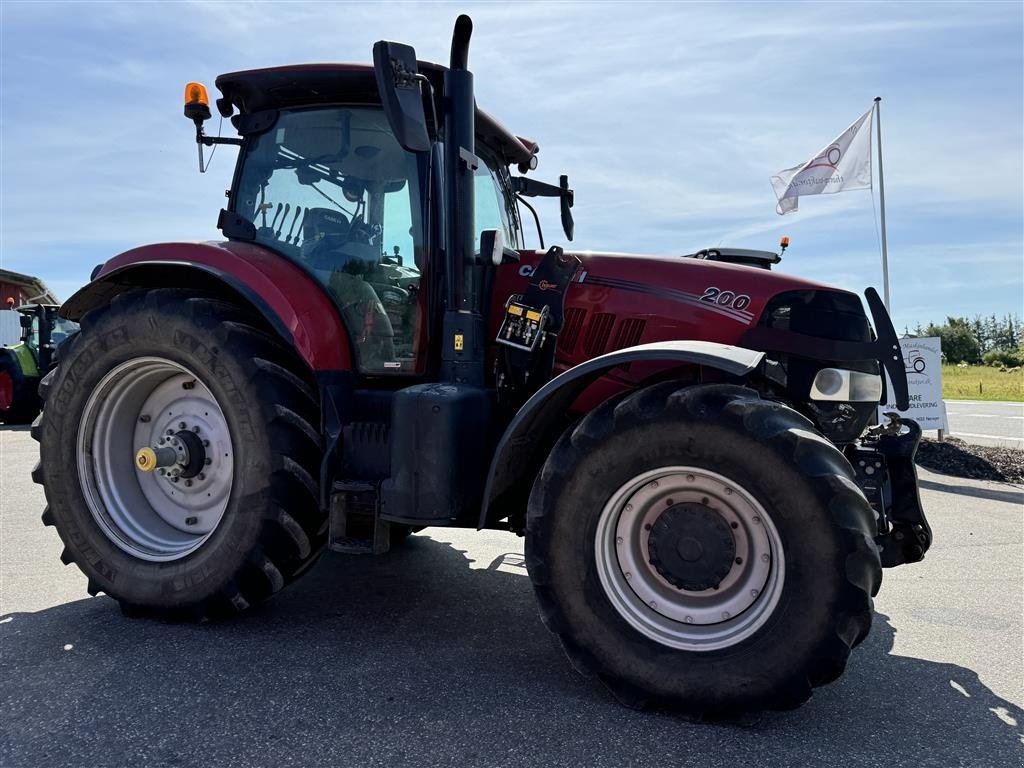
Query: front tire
(702, 548)
(235, 516)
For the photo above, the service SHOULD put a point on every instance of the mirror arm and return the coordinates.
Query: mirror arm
(527, 187)
(209, 141)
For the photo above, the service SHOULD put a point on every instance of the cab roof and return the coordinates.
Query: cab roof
(255, 90)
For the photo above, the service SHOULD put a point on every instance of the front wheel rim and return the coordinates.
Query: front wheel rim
(169, 512)
(704, 620)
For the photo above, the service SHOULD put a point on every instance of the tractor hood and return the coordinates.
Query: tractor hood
(684, 297)
(622, 300)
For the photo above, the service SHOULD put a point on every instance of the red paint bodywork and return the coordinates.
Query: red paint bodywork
(660, 294)
(302, 306)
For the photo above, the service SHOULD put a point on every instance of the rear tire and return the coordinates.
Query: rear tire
(118, 523)
(724, 457)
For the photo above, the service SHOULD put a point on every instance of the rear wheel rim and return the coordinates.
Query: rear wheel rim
(705, 620)
(168, 513)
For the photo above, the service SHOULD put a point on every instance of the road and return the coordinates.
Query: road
(434, 655)
(987, 422)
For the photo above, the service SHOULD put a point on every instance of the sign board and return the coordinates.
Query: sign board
(10, 327)
(922, 358)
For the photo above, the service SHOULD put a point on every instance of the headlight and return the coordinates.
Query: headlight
(838, 384)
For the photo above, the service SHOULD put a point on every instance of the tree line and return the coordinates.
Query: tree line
(990, 340)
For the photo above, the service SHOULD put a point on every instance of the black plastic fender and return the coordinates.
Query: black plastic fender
(524, 442)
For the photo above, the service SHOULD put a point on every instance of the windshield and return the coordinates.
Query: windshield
(331, 189)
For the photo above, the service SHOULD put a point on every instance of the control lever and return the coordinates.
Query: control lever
(301, 234)
(273, 221)
(287, 207)
(298, 210)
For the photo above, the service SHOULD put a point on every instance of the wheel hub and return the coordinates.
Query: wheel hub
(689, 558)
(155, 458)
(691, 547)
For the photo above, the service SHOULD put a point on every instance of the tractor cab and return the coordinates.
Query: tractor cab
(43, 330)
(323, 179)
(23, 364)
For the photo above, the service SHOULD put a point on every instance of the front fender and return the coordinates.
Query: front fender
(293, 303)
(528, 437)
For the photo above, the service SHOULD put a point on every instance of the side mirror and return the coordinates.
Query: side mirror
(492, 246)
(566, 198)
(398, 82)
(25, 321)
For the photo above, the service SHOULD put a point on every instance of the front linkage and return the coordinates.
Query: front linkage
(884, 462)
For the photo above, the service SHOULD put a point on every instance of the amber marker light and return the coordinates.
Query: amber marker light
(195, 93)
(197, 103)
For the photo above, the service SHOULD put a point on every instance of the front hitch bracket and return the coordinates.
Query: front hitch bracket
(886, 473)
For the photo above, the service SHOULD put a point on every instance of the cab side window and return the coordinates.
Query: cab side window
(493, 209)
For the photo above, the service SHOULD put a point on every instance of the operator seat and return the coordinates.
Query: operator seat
(342, 266)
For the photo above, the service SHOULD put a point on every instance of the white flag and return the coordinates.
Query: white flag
(844, 164)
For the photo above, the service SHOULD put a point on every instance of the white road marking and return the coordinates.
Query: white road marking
(990, 437)
(988, 416)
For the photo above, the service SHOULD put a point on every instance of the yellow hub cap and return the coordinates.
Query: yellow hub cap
(145, 459)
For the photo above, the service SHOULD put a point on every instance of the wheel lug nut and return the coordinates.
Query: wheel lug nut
(739, 561)
(765, 558)
(629, 576)
(669, 502)
(206, 444)
(162, 471)
(207, 461)
(689, 478)
(202, 476)
(181, 425)
(618, 540)
(654, 484)
(689, 619)
(726, 614)
(705, 500)
(754, 593)
(757, 520)
(735, 525)
(175, 479)
(170, 431)
(188, 483)
(653, 604)
(191, 520)
(195, 429)
(144, 419)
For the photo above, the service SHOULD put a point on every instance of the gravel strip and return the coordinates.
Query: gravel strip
(977, 462)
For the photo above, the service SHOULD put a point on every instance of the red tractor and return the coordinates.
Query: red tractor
(372, 349)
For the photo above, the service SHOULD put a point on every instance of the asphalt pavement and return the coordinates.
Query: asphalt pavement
(434, 655)
(986, 422)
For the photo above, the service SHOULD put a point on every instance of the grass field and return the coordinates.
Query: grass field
(982, 382)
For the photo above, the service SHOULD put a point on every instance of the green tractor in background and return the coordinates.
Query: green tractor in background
(25, 363)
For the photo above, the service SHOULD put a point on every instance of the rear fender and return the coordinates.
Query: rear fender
(291, 301)
(529, 437)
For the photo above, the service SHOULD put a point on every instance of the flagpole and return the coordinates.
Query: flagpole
(881, 198)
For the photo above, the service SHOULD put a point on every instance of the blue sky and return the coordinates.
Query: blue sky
(669, 119)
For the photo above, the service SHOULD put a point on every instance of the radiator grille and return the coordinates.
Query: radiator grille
(629, 332)
(570, 334)
(598, 331)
